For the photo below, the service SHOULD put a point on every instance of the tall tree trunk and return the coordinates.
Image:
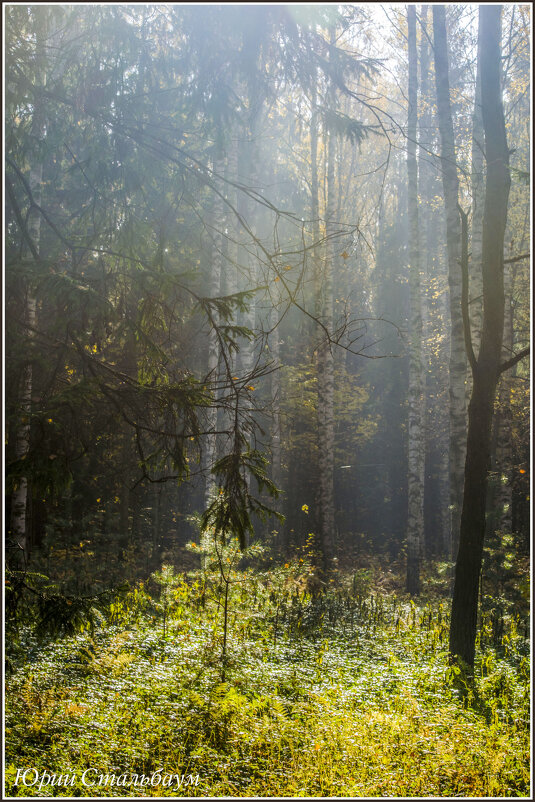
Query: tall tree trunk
(19, 501)
(450, 184)
(276, 464)
(250, 214)
(326, 367)
(231, 266)
(314, 199)
(229, 283)
(275, 388)
(415, 520)
(315, 214)
(436, 504)
(487, 367)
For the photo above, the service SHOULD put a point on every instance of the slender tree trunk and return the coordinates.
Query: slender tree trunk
(129, 456)
(124, 506)
(229, 283)
(486, 368)
(415, 520)
(326, 369)
(450, 184)
(504, 421)
(436, 440)
(425, 193)
(314, 198)
(231, 268)
(156, 525)
(250, 214)
(19, 501)
(276, 464)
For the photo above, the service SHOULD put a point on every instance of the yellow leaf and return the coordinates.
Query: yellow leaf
(345, 255)
(277, 278)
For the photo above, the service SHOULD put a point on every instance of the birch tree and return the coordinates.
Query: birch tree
(415, 520)
(436, 441)
(450, 183)
(325, 358)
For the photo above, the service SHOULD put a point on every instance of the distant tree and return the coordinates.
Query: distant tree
(450, 182)
(325, 353)
(478, 202)
(31, 246)
(416, 429)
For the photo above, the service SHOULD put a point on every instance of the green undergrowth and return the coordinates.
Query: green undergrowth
(347, 693)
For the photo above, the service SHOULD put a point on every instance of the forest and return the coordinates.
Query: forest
(267, 400)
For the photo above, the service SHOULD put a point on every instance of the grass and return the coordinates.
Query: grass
(347, 694)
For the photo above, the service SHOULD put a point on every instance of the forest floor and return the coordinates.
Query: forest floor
(345, 694)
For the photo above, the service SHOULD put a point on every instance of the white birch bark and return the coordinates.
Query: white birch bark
(457, 365)
(435, 441)
(415, 520)
(250, 280)
(326, 367)
(424, 180)
(314, 198)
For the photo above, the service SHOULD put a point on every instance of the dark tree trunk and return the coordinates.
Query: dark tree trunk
(487, 368)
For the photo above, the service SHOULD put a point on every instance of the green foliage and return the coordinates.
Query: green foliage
(52, 610)
(232, 509)
(343, 126)
(345, 694)
(255, 674)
